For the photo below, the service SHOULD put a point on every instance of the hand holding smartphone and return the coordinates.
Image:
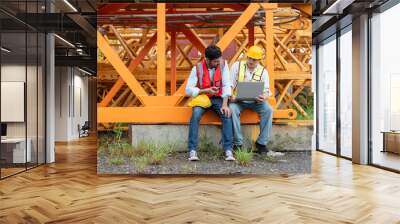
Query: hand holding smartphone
(214, 90)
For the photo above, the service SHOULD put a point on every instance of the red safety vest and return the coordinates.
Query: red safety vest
(203, 77)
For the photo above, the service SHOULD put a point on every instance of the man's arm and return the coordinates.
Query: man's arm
(265, 78)
(266, 92)
(234, 78)
(226, 90)
(226, 82)
(191, 85)
(234, 73)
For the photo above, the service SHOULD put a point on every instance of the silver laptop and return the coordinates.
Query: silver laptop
(249, 90)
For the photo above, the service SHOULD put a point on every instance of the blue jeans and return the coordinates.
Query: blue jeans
(264, 111)
(226, 130)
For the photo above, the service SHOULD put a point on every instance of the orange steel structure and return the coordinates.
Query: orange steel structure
(146, 47)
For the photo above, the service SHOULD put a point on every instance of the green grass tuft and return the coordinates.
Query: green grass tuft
(116, 161)
(244, 156)
(208, 148)
(141, 163)
(158, 154)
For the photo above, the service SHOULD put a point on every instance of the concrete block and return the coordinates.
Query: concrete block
(283, 137)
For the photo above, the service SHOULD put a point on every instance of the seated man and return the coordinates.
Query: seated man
(211, 77)
(251, 70)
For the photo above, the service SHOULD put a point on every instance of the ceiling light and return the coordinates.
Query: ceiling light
(84, 71)
(5, 50)
(70, 5)
(64, 40)
(337, 7)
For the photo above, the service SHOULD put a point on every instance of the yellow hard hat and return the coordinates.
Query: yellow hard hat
(255, 52)
(200, 101)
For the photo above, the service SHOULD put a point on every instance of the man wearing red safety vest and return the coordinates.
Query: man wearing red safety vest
(252, 70)
(211, 77)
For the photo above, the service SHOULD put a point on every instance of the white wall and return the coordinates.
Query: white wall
(13, 73)
(33, 126)
(61, 103)
(71, 94)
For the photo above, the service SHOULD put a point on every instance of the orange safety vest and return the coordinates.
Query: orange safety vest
(204, 80)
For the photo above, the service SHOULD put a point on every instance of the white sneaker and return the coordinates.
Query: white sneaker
(193, 156)
(229, 155)
(274, 154)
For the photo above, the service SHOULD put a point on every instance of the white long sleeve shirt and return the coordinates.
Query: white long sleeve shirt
(193, 90)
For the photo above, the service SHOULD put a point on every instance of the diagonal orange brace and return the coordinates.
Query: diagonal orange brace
(113, 91)
(132, 66)
(238, 25)
(120, 67)
(134, 63)
(194, 39)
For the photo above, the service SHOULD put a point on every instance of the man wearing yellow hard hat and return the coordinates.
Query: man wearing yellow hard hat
(251, 70)
(209, 85)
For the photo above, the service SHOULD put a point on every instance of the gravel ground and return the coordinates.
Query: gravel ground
(177, 163)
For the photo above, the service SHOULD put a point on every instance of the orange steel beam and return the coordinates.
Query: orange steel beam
(134, 63)
(238, 25)
(172, 115)
(173, 63)
(305, 8)
(161, 101)
(183, 54)
(120, 67)
(250, 28)
(112, 8)
(269, 5)
(220, 33)
(124, 44)
(194, 39)
(161, 45)
(181, 90)
(269, 38)
(298, 62)
(132, 66)
(113, 91)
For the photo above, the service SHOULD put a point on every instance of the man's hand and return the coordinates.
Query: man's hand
(261, 98)
(212, 90)
(232, 99)
(226, 111)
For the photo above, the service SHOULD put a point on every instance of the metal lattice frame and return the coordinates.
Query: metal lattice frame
(135, 65)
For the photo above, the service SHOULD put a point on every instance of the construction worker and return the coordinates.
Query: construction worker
(251, 70)
(211, 77)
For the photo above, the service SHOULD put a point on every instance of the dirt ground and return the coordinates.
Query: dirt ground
(177, 163)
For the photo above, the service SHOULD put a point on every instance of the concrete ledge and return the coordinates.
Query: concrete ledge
(283, 137)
